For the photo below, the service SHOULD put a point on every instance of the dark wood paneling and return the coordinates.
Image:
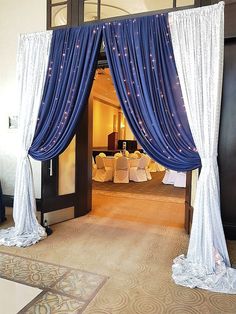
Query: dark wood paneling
(188, 208)
(227, 142)
(74, 9)
(83, 183)
(2, 206)
(205, 2)
(230, 20)
(50, 182)
(59, 202)
(8, 201)
(230, 15)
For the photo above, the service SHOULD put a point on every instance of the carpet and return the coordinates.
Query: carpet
(137, 257)
(152, 190)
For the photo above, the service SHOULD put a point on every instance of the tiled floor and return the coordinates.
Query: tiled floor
(63, 289)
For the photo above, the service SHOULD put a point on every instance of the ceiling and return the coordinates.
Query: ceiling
(103, 88)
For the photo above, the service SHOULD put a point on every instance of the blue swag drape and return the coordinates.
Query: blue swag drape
(71, 69)
(141, 60)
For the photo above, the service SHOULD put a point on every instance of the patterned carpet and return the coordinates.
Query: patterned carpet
(130, 239)
(136, 257)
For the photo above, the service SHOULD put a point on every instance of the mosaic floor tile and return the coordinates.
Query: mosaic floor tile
(30, 272)
(54, 303)
(14, 296)
(79, 284)
(64, 290)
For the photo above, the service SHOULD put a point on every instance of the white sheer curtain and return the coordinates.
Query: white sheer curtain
(198, 43)
(32, 61)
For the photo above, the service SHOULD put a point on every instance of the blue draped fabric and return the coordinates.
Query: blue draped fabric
(71, 69)
(141, 60)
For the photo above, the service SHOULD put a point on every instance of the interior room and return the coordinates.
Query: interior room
(111, 128)
(117, 191)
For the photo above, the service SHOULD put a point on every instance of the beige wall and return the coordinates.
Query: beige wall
(24, 16)
(128, 133)
(103, 117)
(102, 122)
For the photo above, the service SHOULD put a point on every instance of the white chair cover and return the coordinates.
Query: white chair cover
(133, 155)
(117, 155)
(102, 155)
(139, 174)
(180, 180)
(94, 168)
(133, 162)
(160, 167)
(153, 166)
(149, 177)
(169, 177)
(126, 153)
(137, 152)
(121, 173)
(103, 173)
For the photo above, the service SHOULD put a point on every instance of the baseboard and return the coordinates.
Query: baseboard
(8, 201)
(230, 231)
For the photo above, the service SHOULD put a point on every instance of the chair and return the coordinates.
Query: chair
(133, 156)
(117, 155)
(152, 166)
(94, 168)
(103, 173)
(169, 177)
(137, 152)
(160, 167)
(102, 155)
(180, 180)
(126, 153)
(155, 167)
(133, 162)
(149, 177)
(139, 173)
(121, 173)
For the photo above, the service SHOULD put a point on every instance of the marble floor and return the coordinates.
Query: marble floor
(15, 296)
(30, 286)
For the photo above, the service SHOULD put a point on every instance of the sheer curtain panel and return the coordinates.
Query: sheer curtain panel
(32, 62)
(198, 44)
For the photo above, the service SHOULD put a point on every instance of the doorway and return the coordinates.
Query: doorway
(150, 202)
(66, 198)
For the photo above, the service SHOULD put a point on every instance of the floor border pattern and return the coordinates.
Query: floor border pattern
(65, 289)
